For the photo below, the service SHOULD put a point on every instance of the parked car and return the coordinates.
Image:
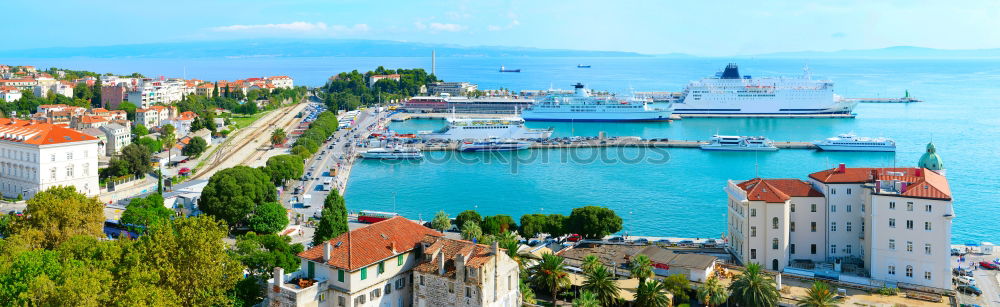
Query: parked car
(663, 241)
(574, 238)
(969, 305)
(988, 265)
(957, 252)
(641, 241)
(969, 289)
(961, 272)
(964, 280)
(534, 243)
(616, 240)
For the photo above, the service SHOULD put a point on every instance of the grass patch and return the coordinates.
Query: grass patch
(242, 121)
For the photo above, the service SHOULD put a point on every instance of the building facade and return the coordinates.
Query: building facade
(890, 225)
(36, 156)
(461, 273)
(451, 88)
(117, 137)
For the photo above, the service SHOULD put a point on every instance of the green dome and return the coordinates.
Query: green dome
(930, 160)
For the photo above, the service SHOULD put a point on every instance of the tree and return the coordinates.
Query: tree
(167, 135)
(550, 274)
(195, 147)
(301, 151)
(467, 216)
(678, 285)
(261, 253)
(753, 288)
(590, 262)
(140, 130)
(587, 299)
(282, 168)
(651, 294)
(556, 225)
(496, 224)
(471, 232)
(57, 214)
(594, 222)
(151, 144)
(602, 284)
(232, 194)
(527, 294)
(333, 221)
(712, 293)
(640, 267)
(268, 218)
(819, 295)
(532, 225)
(138, 158)
(129, 109)
(142, 213)
(441, 221)
(278, 136)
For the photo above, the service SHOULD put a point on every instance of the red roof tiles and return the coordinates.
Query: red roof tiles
(475, 255)
(777, 190)
(921, 183)
(365, 246)
(35, 133)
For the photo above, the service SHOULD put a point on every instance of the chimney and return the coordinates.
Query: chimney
(919, 172)
(460, 267)
(327, 250)
(842, 168)
(279, 278)
(440, 259)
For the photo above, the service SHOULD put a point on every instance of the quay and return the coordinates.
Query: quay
(400, 117)
(615, 142)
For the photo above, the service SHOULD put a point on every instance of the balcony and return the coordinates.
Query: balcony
(296, 289)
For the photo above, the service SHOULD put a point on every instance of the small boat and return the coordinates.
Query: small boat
(739, 143)
(503, 69)
(493, 144)
(393, 153)
(851, 142)
(582, 66)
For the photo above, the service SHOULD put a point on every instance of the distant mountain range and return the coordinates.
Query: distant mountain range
(300, 48)
(898, 52)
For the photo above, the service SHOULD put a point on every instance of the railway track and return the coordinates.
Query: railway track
(226, 153)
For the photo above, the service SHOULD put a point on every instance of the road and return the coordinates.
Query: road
(986, 280)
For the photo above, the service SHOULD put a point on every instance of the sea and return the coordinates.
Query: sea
(658, 192)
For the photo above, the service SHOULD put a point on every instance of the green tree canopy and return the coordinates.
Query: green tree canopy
(269, 217)
(57, 214)
(232, 194)
(284, 167)
(601, 283)
(712, 293)
(195, 147)
(471, 232)
(678, 286)
(496, 224)
(333, 221)
(262, 253)
(151, 144)
(753, 288)
(138, 158)
(550, 274)
(145, 212)
(467, 216)
(652, 294)
(594, 222)
(140, 130)
(819, 295)
(278, 136)
(441, 221)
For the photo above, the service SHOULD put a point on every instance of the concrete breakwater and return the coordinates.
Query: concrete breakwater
(616, 142)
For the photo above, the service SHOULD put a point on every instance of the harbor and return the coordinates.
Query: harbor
(613, 142)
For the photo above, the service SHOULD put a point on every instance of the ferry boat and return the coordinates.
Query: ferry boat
(502, 69)
(583, 106)
(393, 153)
(484, 128)
(739, 143)
(493, 144)
(730, 93)
(851, 142)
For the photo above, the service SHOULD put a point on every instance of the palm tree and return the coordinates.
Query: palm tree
(600, 283)
(586, 299)
(819, 295)
(550, 273)
(641, 268)
(527, 295)
(712, 293)
(753, 288)
(651, 294)
(590, 262)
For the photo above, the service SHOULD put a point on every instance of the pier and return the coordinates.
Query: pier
(399, 117)
(617, 142)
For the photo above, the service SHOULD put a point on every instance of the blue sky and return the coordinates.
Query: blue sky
(704, 28)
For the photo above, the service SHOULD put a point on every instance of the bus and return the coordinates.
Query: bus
(327, 183)
(369, 217)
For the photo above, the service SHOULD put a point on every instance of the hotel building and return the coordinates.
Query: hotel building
(36, 156)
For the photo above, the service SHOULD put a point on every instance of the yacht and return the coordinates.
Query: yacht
(484, 128)
(493, 144)
(739, 143)
(393, 153)
(851, 142)
(583, 106)
(734, 94)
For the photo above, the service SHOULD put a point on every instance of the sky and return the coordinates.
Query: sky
(703, 28)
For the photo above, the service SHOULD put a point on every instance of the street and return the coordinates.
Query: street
(986, 280)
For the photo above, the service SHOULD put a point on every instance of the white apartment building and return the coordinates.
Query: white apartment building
(151, 92)
(461, 273)
(36, 156)
(9, 94)
(281, 81)
(154, 116)
(118, 137)
(884, 225)
(369, 266)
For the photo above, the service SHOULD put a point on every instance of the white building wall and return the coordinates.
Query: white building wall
(899, 257)
(845, 208)
(804, 237)
(28, 169)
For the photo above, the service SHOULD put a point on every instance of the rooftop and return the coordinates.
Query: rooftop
(913, 182)
(35, 133)
(365, 246)
(474, 255)
(777, 190)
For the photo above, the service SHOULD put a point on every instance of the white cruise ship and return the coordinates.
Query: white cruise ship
(732, 94)
(739, 143)
(484, 128)
(493, 144)
(582, 106)
(393, 153)
(851, 142)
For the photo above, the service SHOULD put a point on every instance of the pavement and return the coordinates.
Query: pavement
(986, 280)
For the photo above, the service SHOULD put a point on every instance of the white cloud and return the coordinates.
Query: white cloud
(513, 23)
(295, 27)
(439, 27)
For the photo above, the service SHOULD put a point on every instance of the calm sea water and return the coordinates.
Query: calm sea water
(682, 196)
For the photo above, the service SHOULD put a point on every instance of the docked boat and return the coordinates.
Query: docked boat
(493, 144)
(582, 105)
(739, 143)
(733, 94)
(851, 142)
(393, 153)
(503, 69)
(483, 128)
(582, 66)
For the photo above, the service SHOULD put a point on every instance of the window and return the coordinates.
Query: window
(421, 280)
(400, 283)
(862, 207)
(847, 249)
(340, 275)
(833, 208)
(892, 223)
(468, 292)
(848, 227)
(381, 267)
(892, 270)
(892, 205)
(909, 206)
(69, 156)
(833, 226)
(909, 246)
(86, 169)
(753, 212)
(927, 208)
(753, 253)
(813, 226)
(812, 249)
(927, 248)
(53, 157)
(774, 243)
(848, 193)
(833, 191)
(388, 289)
(909, 271)
(909, 224)
(892, 244)
(341, 301)
(813, 208)
(375, 294)
(927, 275)
(848, 208)
(927, 225)
(862, 226)
(451, 287)
(833, 249)
(399, 260)
(791, 248)
(753, 231)
(774, 223)
(359, 300)
(364, 273)
(791, 226)
(793, 207)
(69, 171)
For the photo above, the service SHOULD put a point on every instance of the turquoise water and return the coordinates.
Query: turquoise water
(682, 197)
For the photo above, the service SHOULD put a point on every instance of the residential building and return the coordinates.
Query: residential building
(369, 266)
(374, 78)
(182, 123)
(117, 137)
(205, 89)
(154, 116)
(873, 225)
(102, 142)
(113, 95)
(9, 94)
(284, 82)
(461, 273)
(151, 92)
(36, 156)
(451, 88)
(87, 121)
(20, 84)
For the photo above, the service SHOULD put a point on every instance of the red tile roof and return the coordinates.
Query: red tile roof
(91, 119)
(365, 246)
(35, 133)
(475, 255)
(921, 182)
(777, 190)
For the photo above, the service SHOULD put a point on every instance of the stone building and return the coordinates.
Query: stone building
(461, 273)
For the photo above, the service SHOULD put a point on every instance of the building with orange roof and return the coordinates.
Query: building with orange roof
(87, 121)
(19, 83)
(374, 78)
(154, 116)
(859, 225)
(462, 273)
(37, 156)
(369, 266)
(9, 94)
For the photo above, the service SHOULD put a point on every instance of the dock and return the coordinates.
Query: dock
(618, 142)
(884, 100)
(399, 117)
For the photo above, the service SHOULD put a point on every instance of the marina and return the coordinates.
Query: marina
(614, 142)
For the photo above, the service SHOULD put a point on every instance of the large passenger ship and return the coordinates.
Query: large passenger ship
(583, 106)
(485, 128)
(730, 93)
(851, 142)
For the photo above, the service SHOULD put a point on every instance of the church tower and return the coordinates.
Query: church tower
(930, 160)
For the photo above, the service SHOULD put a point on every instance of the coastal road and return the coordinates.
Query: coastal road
(986, 280)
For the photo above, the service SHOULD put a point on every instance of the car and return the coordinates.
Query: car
(616, 240)
(969, 289)
(988, 265)
(574, 238)
(641, 241)
(965, 280)
(533, 243)
(957, 252)
(663, 241)
(961, 272)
